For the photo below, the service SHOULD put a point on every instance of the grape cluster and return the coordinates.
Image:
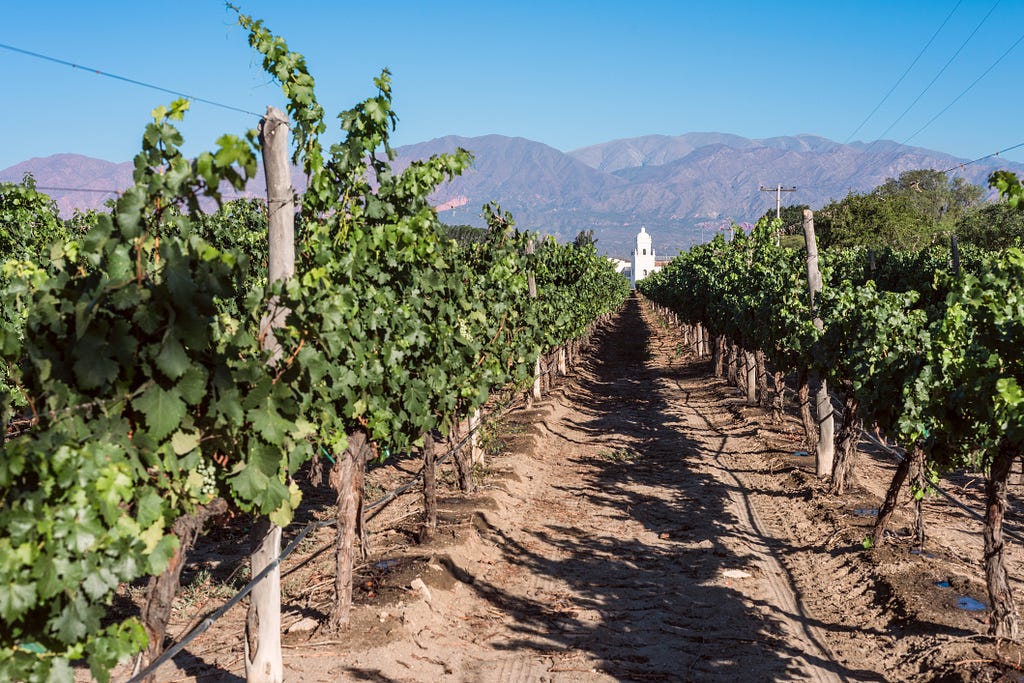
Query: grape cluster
(208, 472)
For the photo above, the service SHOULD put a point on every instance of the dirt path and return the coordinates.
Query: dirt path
(621, 548)
(642, 524)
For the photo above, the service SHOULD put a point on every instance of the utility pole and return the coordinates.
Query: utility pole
(778, 190)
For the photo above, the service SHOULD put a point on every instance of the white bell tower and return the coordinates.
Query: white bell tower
(643, 256)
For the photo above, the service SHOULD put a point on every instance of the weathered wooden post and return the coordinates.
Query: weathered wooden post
(954, 251)
(825, 451)
(531, 281)
(476, 453)
(750, 376)
(429, 488)
(263, 662)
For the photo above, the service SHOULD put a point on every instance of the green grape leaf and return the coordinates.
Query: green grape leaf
(163, 410)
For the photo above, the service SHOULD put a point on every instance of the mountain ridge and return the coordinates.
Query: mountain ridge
(682, 188)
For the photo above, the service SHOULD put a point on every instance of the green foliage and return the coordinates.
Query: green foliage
(792, 219)
(980, 403)
(585, 238)
(465, 235)
(132, 343)
(1009, 186)
(748, 289)
(932, 357)
(405, 330)
(992, 226)
(910, 212)
(29, 221)
(137, 380)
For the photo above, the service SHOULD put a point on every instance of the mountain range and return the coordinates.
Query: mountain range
(682, 188)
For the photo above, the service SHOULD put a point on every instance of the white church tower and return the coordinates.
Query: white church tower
(643, 257)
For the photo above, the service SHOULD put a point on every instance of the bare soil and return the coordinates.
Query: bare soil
(641, 523)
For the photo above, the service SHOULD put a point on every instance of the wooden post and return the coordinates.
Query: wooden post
(954, 250)
(429, 488)
(531, 282)
(750, 368)
(825, 452)
(475, 451)
(263, 663)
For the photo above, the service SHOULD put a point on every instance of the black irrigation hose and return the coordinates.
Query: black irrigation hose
(900, 457)
(312, 526)
(895, 452)
(222, 610)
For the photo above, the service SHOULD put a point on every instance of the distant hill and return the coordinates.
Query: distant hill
(682, 188)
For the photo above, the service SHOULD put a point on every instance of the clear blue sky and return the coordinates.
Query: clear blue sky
(568, 74)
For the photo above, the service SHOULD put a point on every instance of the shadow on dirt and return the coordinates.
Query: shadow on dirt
(657, 608)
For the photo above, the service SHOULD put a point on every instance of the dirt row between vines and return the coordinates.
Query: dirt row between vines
(641, 523)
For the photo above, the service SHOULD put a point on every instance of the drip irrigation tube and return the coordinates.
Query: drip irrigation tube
(900, 455)
(289, 549)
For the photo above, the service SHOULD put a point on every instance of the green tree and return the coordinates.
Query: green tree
(585, 238)
(792, 218)
(908, 212)
(992, 226)
(465, 235)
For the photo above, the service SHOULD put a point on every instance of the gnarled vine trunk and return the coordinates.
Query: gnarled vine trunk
(849, 434)
(1003, 621)
(160, 592)
(730, 368)
(762, 379)
(347, 480)
(803, 392)
(718, 355)
(463, 466)
(779, 397)
(891, 498)
(919, 480)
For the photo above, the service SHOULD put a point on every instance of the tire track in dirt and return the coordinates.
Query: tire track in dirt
(640, 540)
(702, 417)
(829, 596)
(615, 546)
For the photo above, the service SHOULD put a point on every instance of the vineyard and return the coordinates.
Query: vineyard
(753, 467)
(162, 368)
(922, 348)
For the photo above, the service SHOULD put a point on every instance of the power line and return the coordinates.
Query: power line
(965, 90)
(987, 156)
(129, 80)
(900, 79)
(50, 188)
(76, 189)
(941, 71)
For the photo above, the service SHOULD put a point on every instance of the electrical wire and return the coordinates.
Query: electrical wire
(900, 79)
(47, 188)
(50, 188)
(967, 89)
(987, 156)
(289, 549)
(132, 81)
(941, 71)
